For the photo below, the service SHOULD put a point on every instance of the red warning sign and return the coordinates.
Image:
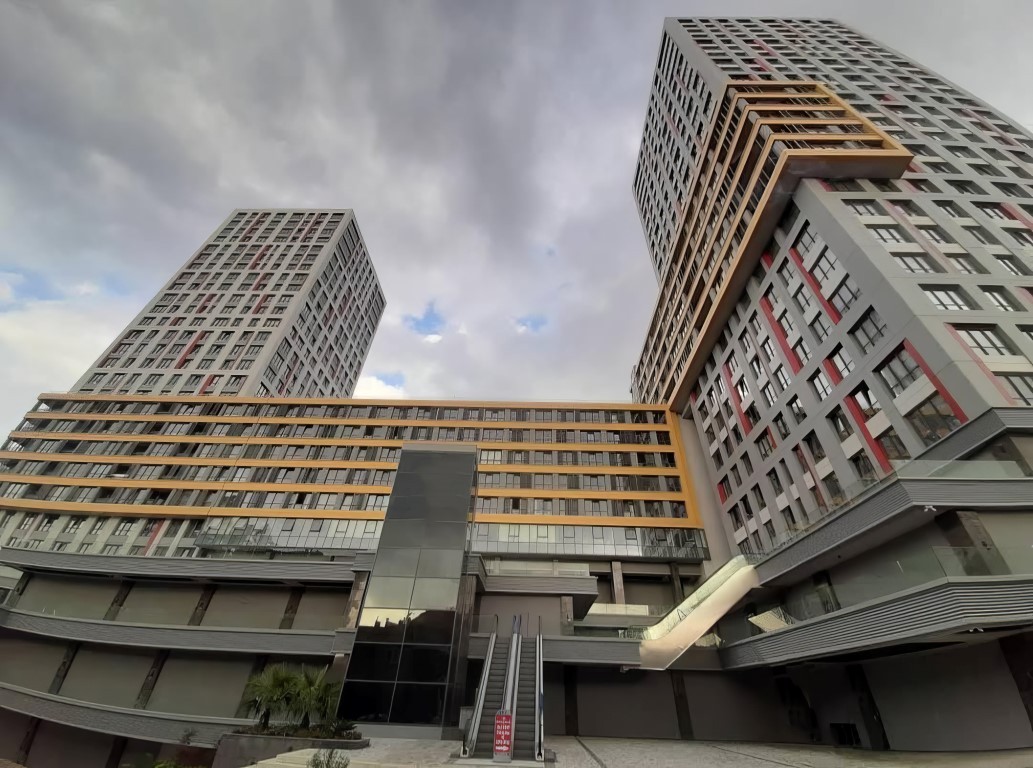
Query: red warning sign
(503, 734)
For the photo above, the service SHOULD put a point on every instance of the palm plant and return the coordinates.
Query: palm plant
(270, 692)
(312, 696)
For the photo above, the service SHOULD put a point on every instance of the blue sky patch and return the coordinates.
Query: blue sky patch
(533, 323)
(429, 323)
(392, 379)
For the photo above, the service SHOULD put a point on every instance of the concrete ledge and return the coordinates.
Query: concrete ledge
(286, 641)
(196, 569)
(237, 749)
(945, 606)
(132, 723)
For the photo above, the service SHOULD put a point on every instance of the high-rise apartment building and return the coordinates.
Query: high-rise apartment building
(274, 303)
(814, 525)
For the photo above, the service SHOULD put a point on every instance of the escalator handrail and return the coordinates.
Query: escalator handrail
(472, 731)
(686, 606)
(539, 699)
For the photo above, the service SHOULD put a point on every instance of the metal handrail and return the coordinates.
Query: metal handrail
(472, 730)
(539, 699)
(509, 694)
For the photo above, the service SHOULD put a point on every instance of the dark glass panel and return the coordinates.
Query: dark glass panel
(423, 664)
(418, 703)
(441, 563)
(374, 661)
(396, 562)
(388, 592)
(381, 625)
(435, 593)
(431, 627)
(366, 702)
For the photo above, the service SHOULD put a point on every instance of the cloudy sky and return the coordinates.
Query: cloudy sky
(487, 148)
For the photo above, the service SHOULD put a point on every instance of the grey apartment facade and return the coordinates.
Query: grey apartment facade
(275, 302)
(814, 524)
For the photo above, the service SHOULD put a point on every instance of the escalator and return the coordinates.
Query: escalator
(511, 682)
(662, 643)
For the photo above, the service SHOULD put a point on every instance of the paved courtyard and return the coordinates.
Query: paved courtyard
(587, 752)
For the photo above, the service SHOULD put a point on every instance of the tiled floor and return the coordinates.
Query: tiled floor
(616, 753)
(588, 752)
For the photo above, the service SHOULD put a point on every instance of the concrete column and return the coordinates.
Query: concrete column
(118, 600)
(257, 665)
(1018, 655)
(291, 610)
(676, 586)
(62, 669)
(351, 612)
(681, 706)
(22, 756)
(570, 713)
(118, 748)
(18, 591)
(202, 606)
(152, 677)
(618, 582)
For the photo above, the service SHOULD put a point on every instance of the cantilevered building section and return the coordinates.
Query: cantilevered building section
(275, 302)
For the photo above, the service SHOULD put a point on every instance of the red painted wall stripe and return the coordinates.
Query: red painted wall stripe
(258, 257)
(767, 259)
(1018, 214)
(733, 393)
(862, 427)
(207, 383)
(947, 396)
(812, 281)
(190, 348)
(833, 371)
(779, 334)
(982, 365)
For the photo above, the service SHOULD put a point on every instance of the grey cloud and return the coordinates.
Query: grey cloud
(470, 137)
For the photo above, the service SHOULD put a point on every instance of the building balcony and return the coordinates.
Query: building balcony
(175, 637)
(870, 514)
(953, 595)
(130, 723)
(340, 571)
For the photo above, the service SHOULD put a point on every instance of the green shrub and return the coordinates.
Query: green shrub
(328, 758)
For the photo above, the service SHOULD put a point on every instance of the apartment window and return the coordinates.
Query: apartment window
(842, 361)
(888, 234)
(821, 385)
(899, 371)
(916, 263)
(802, 299)
(863, 466)
(814, 445)
(933, 420)
(491, 457)
(768, 349)
(797, 410)
(845, 296)
(1012, 265)
(764, 445)
(992, 211)
(1019, 385)
(840, 423)
(985, 339)
(1023, 237)
(869, 330)
(1001, 299)
(782, 378)
(950, 209)
(769, 394)
(966, 263)
(110, 549)
(74, 524)
(802, 351)
(947, 298)
(824, 267)
(893, 446)
(936, 235)
(981, 235)
(864, 207)
(866, 401)
(781, 425)
(97, 526)
(820, 327)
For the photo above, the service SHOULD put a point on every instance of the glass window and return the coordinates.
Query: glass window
(985, 339)
(869, 330)
(947, 298)
(840, 423)
(1012, 265)
(842, 361)
(915, 262)
(890, 234)
(821, 385)
(966, 263)
(893, 446)
(933, 420)
(866, 401)
(820, 327)
(797, 410)
(1001, 299)
(864, 207)
(845, 296)
(1019, 385)
(899, 371)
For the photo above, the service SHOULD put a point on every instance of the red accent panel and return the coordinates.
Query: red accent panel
(832, 370)
(1018, 214)
(825, 185)
(258, 257)
(990, 127)
(721, 493)
(155, 534)
(762, 64)
(982, 366)
(779, 334)
(862, 427)
(768, 259)
(771, 51)
(207, 383)
(261, 303)
(812, 281)
(190, 348)
(736, 401)
(947, 396)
